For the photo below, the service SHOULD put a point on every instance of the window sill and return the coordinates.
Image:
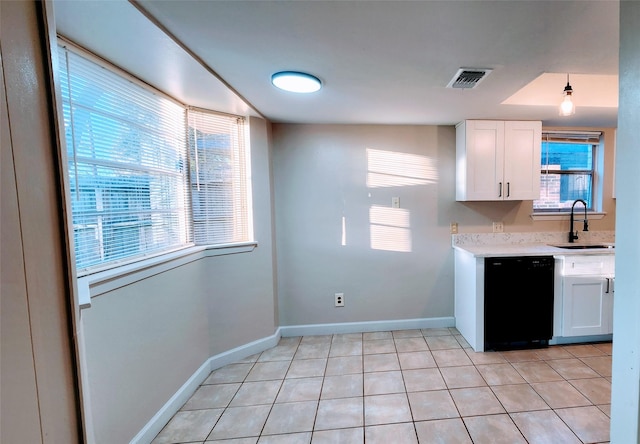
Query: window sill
(95, 284)
(591, 215)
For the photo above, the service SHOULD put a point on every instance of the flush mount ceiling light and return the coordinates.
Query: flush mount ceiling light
(298, 82)
(567, 107)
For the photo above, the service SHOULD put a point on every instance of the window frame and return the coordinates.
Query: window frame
(595, 140)
(92, 280)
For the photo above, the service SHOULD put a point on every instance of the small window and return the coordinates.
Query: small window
(568, 170)
(218, 178)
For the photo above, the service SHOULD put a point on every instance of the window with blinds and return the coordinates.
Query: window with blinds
(568, 170)
(218, 177)
(142, 180)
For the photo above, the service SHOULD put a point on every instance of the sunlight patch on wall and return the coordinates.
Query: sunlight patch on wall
(393, 169)
(390, 229)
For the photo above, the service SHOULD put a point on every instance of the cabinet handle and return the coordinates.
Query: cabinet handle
(508, 189)
(500, 189)
(608, 283)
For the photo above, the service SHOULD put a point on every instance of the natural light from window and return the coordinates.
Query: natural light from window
(390, 229)
(343, 240)
(393, 169)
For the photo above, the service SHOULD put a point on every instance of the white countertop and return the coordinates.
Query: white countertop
(535, 249)
(531, 243)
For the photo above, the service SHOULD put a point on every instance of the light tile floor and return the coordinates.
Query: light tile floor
(410, 386)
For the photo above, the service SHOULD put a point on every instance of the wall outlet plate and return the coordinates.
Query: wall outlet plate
(339, 298)
(498, 227)
(453, 228)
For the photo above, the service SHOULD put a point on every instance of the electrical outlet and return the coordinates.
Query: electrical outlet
(339, 299)
(498, 227)
(395, 202)
(453, 228)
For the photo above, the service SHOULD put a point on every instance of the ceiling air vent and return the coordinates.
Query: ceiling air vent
(468, 78)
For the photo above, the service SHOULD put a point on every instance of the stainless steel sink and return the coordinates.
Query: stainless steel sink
(583, 246)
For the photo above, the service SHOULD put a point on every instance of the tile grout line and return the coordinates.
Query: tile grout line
(253, 364)
(281, 384)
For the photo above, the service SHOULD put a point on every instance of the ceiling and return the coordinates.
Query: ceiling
(381, 62)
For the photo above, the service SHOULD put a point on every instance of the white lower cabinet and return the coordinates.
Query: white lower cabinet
(587, 306)
(587, 295)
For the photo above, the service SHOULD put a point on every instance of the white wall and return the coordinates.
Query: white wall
(625, 393)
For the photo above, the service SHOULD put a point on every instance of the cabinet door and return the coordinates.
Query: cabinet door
(522, 144)
(484, 159)
(608, 310)
(584, 306)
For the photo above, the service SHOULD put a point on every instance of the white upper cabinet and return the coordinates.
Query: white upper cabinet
(498, 160)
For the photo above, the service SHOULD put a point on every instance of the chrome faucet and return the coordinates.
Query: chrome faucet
(573, 236)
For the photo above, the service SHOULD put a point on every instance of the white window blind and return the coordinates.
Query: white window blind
(218, 176)
(127, 165)
(568, 160)
(591, 137)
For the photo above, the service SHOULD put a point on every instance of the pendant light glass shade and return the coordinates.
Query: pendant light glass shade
(567, 107)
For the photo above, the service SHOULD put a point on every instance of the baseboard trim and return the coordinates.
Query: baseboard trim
(164, 415)
(238, 353)
(361, 327)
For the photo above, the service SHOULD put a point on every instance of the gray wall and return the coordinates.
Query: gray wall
(625, 393)
(143, 341)
(321, 174)
(241, 289)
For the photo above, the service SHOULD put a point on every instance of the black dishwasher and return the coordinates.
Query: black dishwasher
(518, 302)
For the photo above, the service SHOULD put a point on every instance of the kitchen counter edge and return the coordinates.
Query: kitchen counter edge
(529, 250)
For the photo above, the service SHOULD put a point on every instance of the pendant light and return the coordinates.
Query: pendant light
(567, 107)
